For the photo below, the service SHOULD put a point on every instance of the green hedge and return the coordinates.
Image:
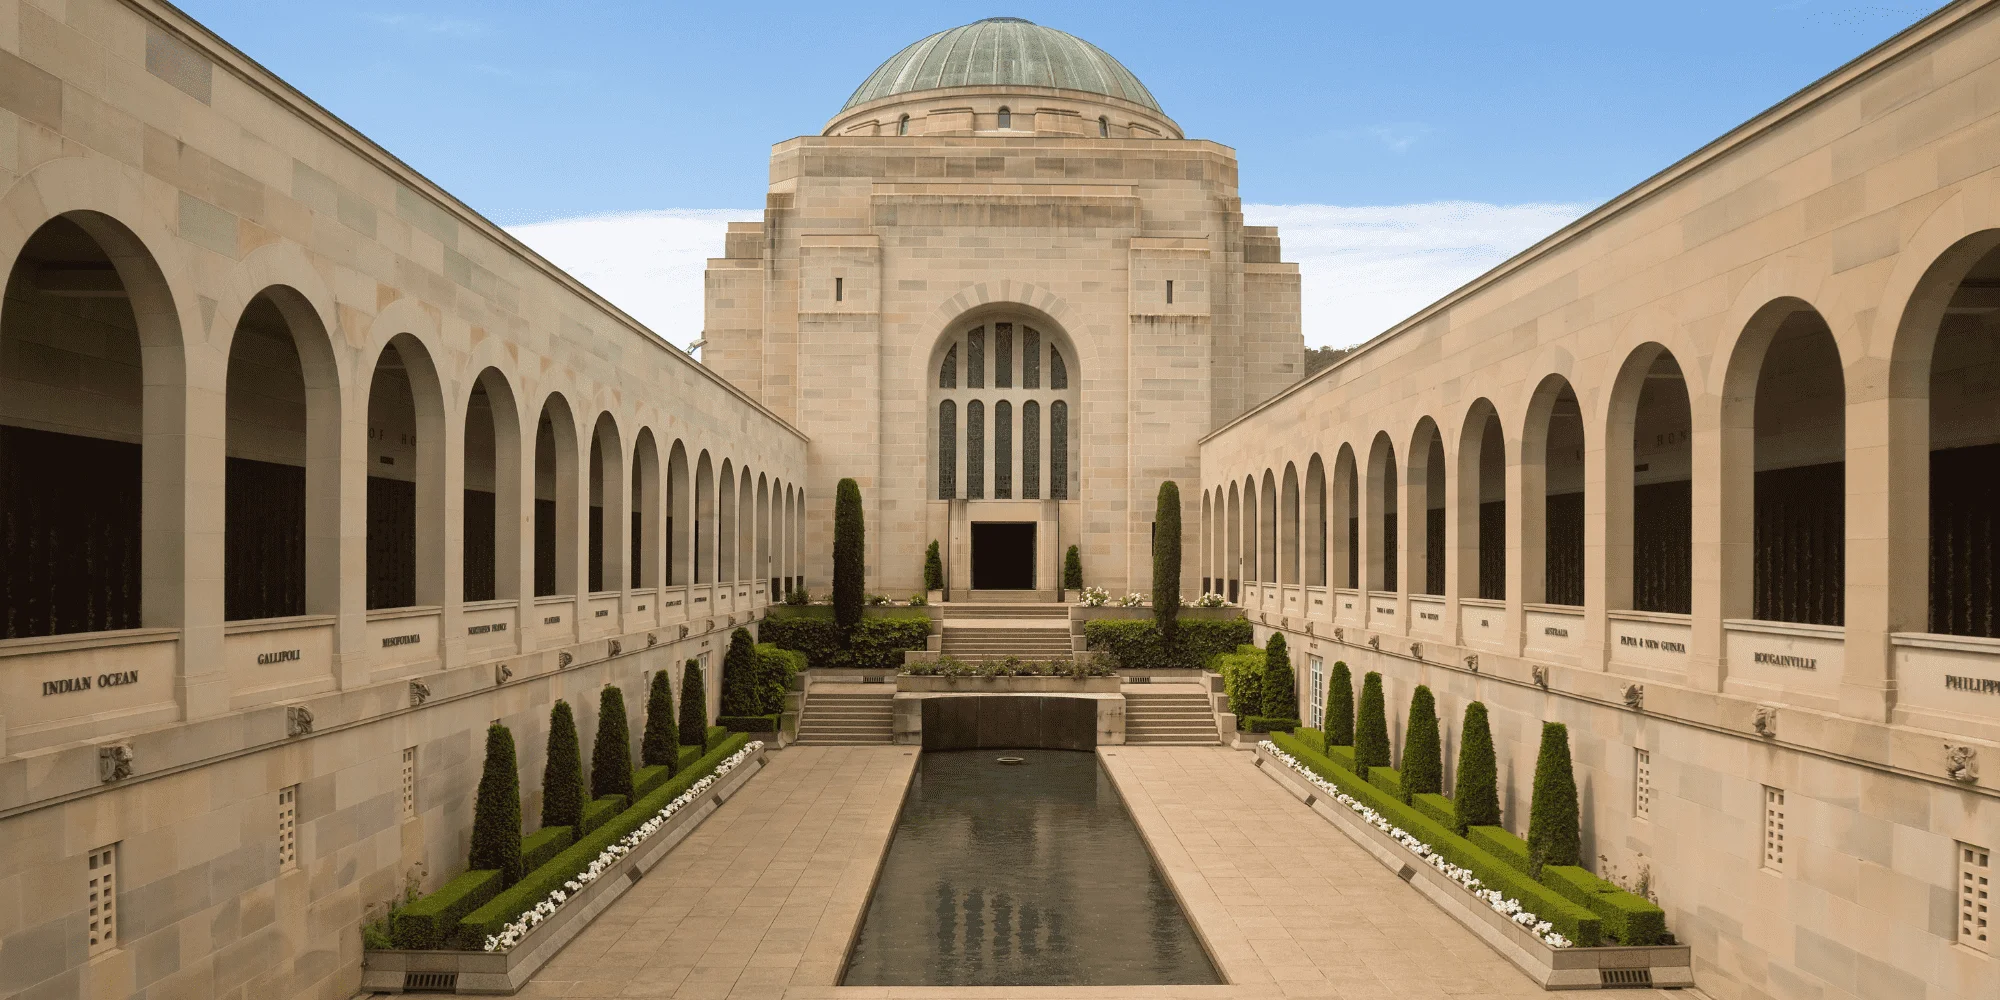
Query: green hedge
(1437, 807)
(1629, 918)
(1242, 680)
(646, 779)
(600, 810)
(1578, 924)
(1268, 724)
(877, 643)
(429, 922)
(1387, 779)
(748, 723)
(716, 734)
(1136, 644)
(501, 910)
(1342, 755)
(776, 670)
(1311, 737)
(538, 847)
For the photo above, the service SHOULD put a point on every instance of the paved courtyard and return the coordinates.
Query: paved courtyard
(760, 902)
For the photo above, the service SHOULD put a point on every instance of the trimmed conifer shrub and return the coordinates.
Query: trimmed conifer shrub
(1371, 726)
(496, 813)
(694, 706)
(1167, 563)
(1554, 836)
(1475, 795)
(933, 568)
(740, 695)
(562, 776)
(658, 745)
(1072, 570)
(611, 756)
(849, 555)
(1281, 696)
(1339, 722)
(1423, 754)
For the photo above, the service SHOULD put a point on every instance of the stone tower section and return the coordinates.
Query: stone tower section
(1001, 288)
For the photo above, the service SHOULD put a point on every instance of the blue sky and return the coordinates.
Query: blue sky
(1486, 125)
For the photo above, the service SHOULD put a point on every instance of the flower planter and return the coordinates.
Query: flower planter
(1552, 968)
(503, 973)
(1079, 613)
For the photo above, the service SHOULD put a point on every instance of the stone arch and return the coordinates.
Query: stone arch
(1424, 509)
(1289, 549)
(1649, 484)
(1783, 478)
(1267, 529)
(557, 472)
(492, 482)
(1315, 501)
(1482, 503)
(1232, 561)
(648, 512)
(1346, 556)
(1554, 570)
(406, 509)
(609, 499)
(1382, 529)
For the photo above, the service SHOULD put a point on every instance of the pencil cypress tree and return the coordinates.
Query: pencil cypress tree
(739, 676)
(496, 813)
(1339, 722)
(1167, 565)
(1475, 796)
(1423, 756)
(611, 757)
(694, 706)
(1072, 570)
(1371, 727)
(849, 558)
(1553, 834)
(1281, 698)
(933, 568)
(562, 776)
(658, 745)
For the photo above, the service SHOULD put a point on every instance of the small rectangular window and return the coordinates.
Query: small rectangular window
(838, 290)
(409, 782)
(101, 899)
(1316, 668)
(1975, 902)
(1774, 829)
(1170, 291)
(1642, 784)
(288, 827)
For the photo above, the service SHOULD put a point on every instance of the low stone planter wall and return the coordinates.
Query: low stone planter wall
(504, 973)
(1079, 614)
(1658, 966)
(1008, 685)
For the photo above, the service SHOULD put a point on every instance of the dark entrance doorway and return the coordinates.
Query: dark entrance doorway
(1003, 555)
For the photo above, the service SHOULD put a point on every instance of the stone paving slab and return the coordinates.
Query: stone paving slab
(1282, 898)
(762, 901)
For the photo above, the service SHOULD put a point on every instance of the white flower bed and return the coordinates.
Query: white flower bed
(1095, 597)
(1509, 908)
(512, 934)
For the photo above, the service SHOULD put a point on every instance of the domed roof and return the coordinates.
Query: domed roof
(1002, 51)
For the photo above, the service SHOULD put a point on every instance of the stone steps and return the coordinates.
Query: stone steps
(1169, 718)
(848, 719)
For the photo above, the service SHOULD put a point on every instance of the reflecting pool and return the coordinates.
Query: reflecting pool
(1029, 874)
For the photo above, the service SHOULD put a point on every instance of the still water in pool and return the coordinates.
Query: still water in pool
(1029, 874)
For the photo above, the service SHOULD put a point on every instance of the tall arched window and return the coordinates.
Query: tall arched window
(975, 450)
(947, 445)
(1031, 450)
(1058, 372)
(1003, 450)
(903, 125)
(1006, 118)
(1058, 449)
(948, 372)
(1103, 128)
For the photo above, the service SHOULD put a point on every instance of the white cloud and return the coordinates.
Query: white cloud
(1363, 268)
(647, 263)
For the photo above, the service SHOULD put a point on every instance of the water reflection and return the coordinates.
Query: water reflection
(1027, 875)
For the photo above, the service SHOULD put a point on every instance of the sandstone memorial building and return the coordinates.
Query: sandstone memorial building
(309, 473)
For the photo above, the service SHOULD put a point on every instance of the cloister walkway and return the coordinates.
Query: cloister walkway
(761, 900)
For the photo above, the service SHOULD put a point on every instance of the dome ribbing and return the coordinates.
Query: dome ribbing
(1000, 52)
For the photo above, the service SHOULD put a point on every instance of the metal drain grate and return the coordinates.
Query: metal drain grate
(1625, 979)
(430, 982)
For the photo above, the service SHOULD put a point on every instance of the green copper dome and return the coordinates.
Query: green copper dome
(1000, 52)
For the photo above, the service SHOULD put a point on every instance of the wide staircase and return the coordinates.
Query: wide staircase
(837, 716)
(998, 631)
(1169, 717)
